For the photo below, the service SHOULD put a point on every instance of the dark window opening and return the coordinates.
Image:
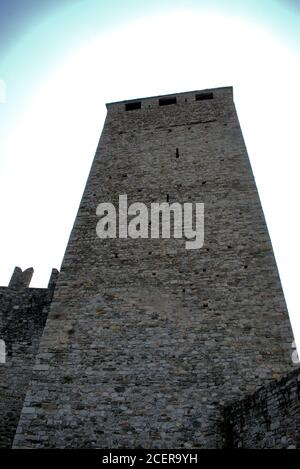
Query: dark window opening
(203, 96)
(167, 197)
(177, 153)
(167, 101)
(133, 105)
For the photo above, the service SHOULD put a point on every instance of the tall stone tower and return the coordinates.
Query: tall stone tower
(146, 341)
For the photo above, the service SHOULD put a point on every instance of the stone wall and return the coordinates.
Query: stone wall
(270, 418)
(145, 339)
(23, 313)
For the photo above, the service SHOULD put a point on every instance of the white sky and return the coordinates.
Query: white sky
(50, 133)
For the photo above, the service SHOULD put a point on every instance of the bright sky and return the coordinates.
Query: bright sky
(62, 60)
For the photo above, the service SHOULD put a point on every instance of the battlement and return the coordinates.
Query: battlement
(21, 278)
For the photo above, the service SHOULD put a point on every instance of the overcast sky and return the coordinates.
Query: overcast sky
(62, 60)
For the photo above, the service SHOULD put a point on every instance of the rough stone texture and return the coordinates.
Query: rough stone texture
(145, 339)
(23, 313)
(268, 419)
(21, 279)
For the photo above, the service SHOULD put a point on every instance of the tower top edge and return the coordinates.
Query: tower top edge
(224, 90)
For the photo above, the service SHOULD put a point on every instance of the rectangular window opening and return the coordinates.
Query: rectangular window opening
(167, 101)
(133, 105)
(203, 96)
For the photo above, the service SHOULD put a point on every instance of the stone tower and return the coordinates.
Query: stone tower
(146, 341)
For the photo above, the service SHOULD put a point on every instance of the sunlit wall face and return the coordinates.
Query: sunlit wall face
(67, 59)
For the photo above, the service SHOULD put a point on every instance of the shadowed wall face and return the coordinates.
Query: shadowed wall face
(146, 340)
(23, 313)
(270, 418)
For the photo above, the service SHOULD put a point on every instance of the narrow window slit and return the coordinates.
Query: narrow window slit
(133, 105)
(203, 96)
(167, 101)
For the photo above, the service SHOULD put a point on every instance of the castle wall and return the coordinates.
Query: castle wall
(145, 339)
(23, 313)
(268, 419)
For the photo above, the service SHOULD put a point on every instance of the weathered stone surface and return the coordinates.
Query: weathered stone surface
(23, 313)
(145, 340)
(270, 418)
(21, 279)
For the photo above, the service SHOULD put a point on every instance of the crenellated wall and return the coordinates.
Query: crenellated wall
(23, 313)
